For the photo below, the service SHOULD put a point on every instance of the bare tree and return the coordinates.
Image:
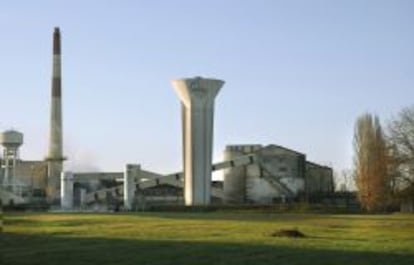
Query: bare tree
(371, 163)
(344, 180)
(401, 142)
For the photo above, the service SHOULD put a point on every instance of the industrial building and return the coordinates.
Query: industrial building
(280, 174)
(21, 180)
(26, 181)
(252, 174)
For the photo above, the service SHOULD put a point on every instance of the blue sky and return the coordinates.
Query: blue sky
(297, 74)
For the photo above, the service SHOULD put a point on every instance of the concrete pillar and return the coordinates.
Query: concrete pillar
(131, 173)
(66, 190)
(197, 100)
(82, 197)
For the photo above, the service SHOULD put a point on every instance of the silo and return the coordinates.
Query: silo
(234, 182)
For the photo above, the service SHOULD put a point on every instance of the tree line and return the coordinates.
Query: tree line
(383, 159)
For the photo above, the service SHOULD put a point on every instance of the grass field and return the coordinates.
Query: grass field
(205, 238)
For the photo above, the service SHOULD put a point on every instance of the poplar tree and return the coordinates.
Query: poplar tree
(371, 163)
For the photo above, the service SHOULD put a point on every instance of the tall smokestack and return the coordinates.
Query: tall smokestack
(55, 157)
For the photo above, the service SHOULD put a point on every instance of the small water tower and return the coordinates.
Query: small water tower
(11, 140)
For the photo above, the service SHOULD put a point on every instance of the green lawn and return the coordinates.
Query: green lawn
(205, 238)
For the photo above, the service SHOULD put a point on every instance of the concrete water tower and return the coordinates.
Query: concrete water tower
(197, 100)
(11, 140)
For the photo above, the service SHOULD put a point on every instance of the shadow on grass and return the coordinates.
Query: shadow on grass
(19, 249)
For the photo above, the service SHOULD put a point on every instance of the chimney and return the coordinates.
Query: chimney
(55, 156)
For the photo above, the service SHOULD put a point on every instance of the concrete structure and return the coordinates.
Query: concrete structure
(153, 185)
(32, 174)
(55, 155)
(131, 176)
(20, 181)
(35, 178)
(11, 141)
(197, 100)
(279, 174)
(318, 178)
(66, 190)
(253, 174)
(234, 186)
(286, 167)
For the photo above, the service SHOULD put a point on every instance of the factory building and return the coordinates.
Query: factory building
(319, 179)
(281, 174)
(21, 181)
(253, 174)
(32, 174)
